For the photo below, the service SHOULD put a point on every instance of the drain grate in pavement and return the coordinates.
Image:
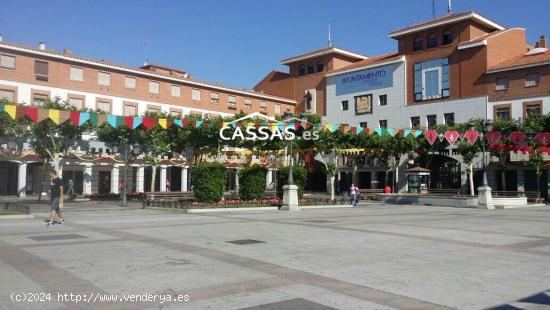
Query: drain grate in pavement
(291, 304)
(320, 221)
(245, 241)
(56, 237)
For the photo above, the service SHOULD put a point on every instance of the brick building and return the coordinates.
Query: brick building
(32, 75)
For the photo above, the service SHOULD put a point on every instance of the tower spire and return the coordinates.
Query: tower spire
(329, 37)
(449, 7)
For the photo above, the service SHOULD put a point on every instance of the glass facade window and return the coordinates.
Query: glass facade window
(320, 66)
(447, 37)
(383, 99)
(449, 119)
(431, 79)
(302, 70)
(383, 123)
(431, 120)
(345, 105)
(418, 44)
(432, 40)
(415, 122)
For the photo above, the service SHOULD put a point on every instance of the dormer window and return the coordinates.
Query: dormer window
(418, 43)
(447, 37)
(302, 70)
(310, 69)
(432, 40)
(320, 66)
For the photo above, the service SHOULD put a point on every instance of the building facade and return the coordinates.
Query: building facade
(31, 76)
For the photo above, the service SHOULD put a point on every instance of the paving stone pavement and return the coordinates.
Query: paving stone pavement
(371, 257)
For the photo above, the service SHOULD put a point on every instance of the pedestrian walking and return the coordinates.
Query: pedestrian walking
(354, 194)
(56, 198)
(70, 191)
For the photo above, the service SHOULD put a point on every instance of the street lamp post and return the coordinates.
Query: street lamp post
(290, 190)
(134, 152)
(485, 198)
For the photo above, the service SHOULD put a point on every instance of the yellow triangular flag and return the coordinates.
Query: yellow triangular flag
(328, 127)
(11, 110)
(54, 115)
(163, 122)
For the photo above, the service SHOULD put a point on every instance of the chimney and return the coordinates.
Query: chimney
(42, 46)
(542, 42)
(67, 52)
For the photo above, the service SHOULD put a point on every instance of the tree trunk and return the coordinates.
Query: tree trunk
(503, 179)
(153, 177)
(331, 187)
(46, 164)
(471, 179)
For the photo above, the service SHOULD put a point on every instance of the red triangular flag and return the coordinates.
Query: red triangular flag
(493, 137)
(32, 113)
(129, 121)
(451, 136)
(517, 137)
(149, 123)
(431, 136)
(471, 136)
(75, 117)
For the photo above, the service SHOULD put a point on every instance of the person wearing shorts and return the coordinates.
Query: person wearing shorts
(56, 198)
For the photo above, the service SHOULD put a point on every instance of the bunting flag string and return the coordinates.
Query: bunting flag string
(77, 118)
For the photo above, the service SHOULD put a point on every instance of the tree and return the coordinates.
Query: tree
(252, 181)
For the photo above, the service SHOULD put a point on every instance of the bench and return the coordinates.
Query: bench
(370, 193)
(155, 198)
(444, 191)
(532, 196)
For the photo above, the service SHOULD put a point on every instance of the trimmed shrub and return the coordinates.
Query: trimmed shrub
(252, 182)
(208, 181)
(299, 174)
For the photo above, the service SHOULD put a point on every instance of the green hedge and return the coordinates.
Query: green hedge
(252, 182)
(300, 175)
(208, 181)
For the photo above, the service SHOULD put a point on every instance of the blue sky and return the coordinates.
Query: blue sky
(236, 42)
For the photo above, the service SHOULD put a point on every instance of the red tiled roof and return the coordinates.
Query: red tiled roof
(448, 18)
(522, 61)
(324, 50)
(369, 61)
(433, 21)
(482, 37)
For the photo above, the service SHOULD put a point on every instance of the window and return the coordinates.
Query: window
(431, 79)
(103, 106)
(503, 112)
(154, 87)
(7, 62)
(103, 79)
(129, 82)
(320, 66)
(130, 109)
(532, 108)
(418, 43)
(363, 124)
(363, 104)
(345, 105)
(153, 108)
(277, 108)
(7, 95)
(415, 122)
(501, 84)
(76, 74)
(431, 120)
(39, 99)
(532, 80)
(175, 91)
(196, 94)
(447, 37)
(383, 123)
(77, 103)
(248, 103)
(263, 107)
(302, 70)
(383, 99)
(449, 119)
(214, 98)
(310, 69)
(176, 113)
(232, 102)
(432, 40)
(41, 70)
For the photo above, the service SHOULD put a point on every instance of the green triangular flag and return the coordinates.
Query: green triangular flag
(93, 118)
